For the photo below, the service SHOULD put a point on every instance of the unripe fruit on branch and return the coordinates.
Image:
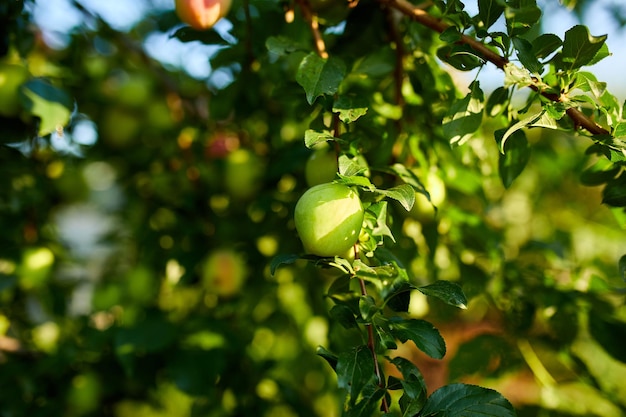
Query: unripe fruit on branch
(202, 14)
(328, 219)
(321, 167)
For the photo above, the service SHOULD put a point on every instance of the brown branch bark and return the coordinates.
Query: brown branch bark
(426, 19)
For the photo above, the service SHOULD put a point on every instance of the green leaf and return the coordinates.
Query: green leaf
(514, 158)
(355, 369)
(517, 126)
(351, 166)
(284, 259)
(343, 315)
(448, 292)
(404, 194)
(207, 37)
(319, 76)
(546, 44)
(580, 47)
(460, 56)
(282, 45)
(527, 56)
(489, 11)
(313, 137)
(330, 357)
(464, 116)
(467, 401)
(355, 180)
(614, 194)
(425, 336)
(52, 105)
(599, 173)
(521, 16)
(196, 371)
(350, 108)
(497, 102)
(367, 306)
(415, 392)
(377, 64)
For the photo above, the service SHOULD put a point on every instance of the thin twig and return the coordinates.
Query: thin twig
(311, 19)
(371, 344)
(423, 17)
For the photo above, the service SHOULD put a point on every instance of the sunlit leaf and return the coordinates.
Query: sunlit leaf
(319, 76)
(447, 291)
(350, 108)
(51, 104)
(468, 401)
(580, 47)
(464, 116)
(425, 336)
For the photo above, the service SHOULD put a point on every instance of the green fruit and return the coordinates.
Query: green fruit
(321, 167)
(243, 174)
(11, 78)
(202, 14)
(424, 210)
(328, 219)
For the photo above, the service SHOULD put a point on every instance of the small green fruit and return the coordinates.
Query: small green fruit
(328, 219)
(321, 167)
(243, 174)
(424, 210)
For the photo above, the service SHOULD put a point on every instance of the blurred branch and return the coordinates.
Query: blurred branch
(311, 19)
(416, 13)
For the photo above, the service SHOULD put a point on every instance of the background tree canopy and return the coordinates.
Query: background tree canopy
(149, 173)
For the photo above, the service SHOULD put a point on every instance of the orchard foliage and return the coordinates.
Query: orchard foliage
(149, 259)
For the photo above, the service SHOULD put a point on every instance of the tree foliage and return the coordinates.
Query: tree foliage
(149, 262)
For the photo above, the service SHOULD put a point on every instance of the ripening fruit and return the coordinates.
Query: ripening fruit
(328, 219)
(224, 272)
(202, 14)
(321, 167)
(12, 76)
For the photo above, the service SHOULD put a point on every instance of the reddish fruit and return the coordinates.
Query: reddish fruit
(202, 14)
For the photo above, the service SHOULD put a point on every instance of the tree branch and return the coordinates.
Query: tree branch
(311, 19)
(423, 17)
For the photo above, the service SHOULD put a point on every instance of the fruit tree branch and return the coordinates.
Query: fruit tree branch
(311, 19)
(423, 17)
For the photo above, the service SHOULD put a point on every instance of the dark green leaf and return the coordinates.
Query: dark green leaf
(489, 11)
(448, 292)
(461, 57)
(521, 17)
(425, 336)
(599, 173)
(367, 306)
(527, 56)
(614, 194)
(196, 371)
(415, 392)
(355, 369)
(282, 45)
(546, 44)
(343, 315)
(331, 358)
(580, 47)
(515, 157)
(450, 35)
(497, 102)
(319, 76)
(377, 64)
(285, 259)
(464, 116)
(350, 108)
(52, 105)
(467, 401)
(207, 37)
